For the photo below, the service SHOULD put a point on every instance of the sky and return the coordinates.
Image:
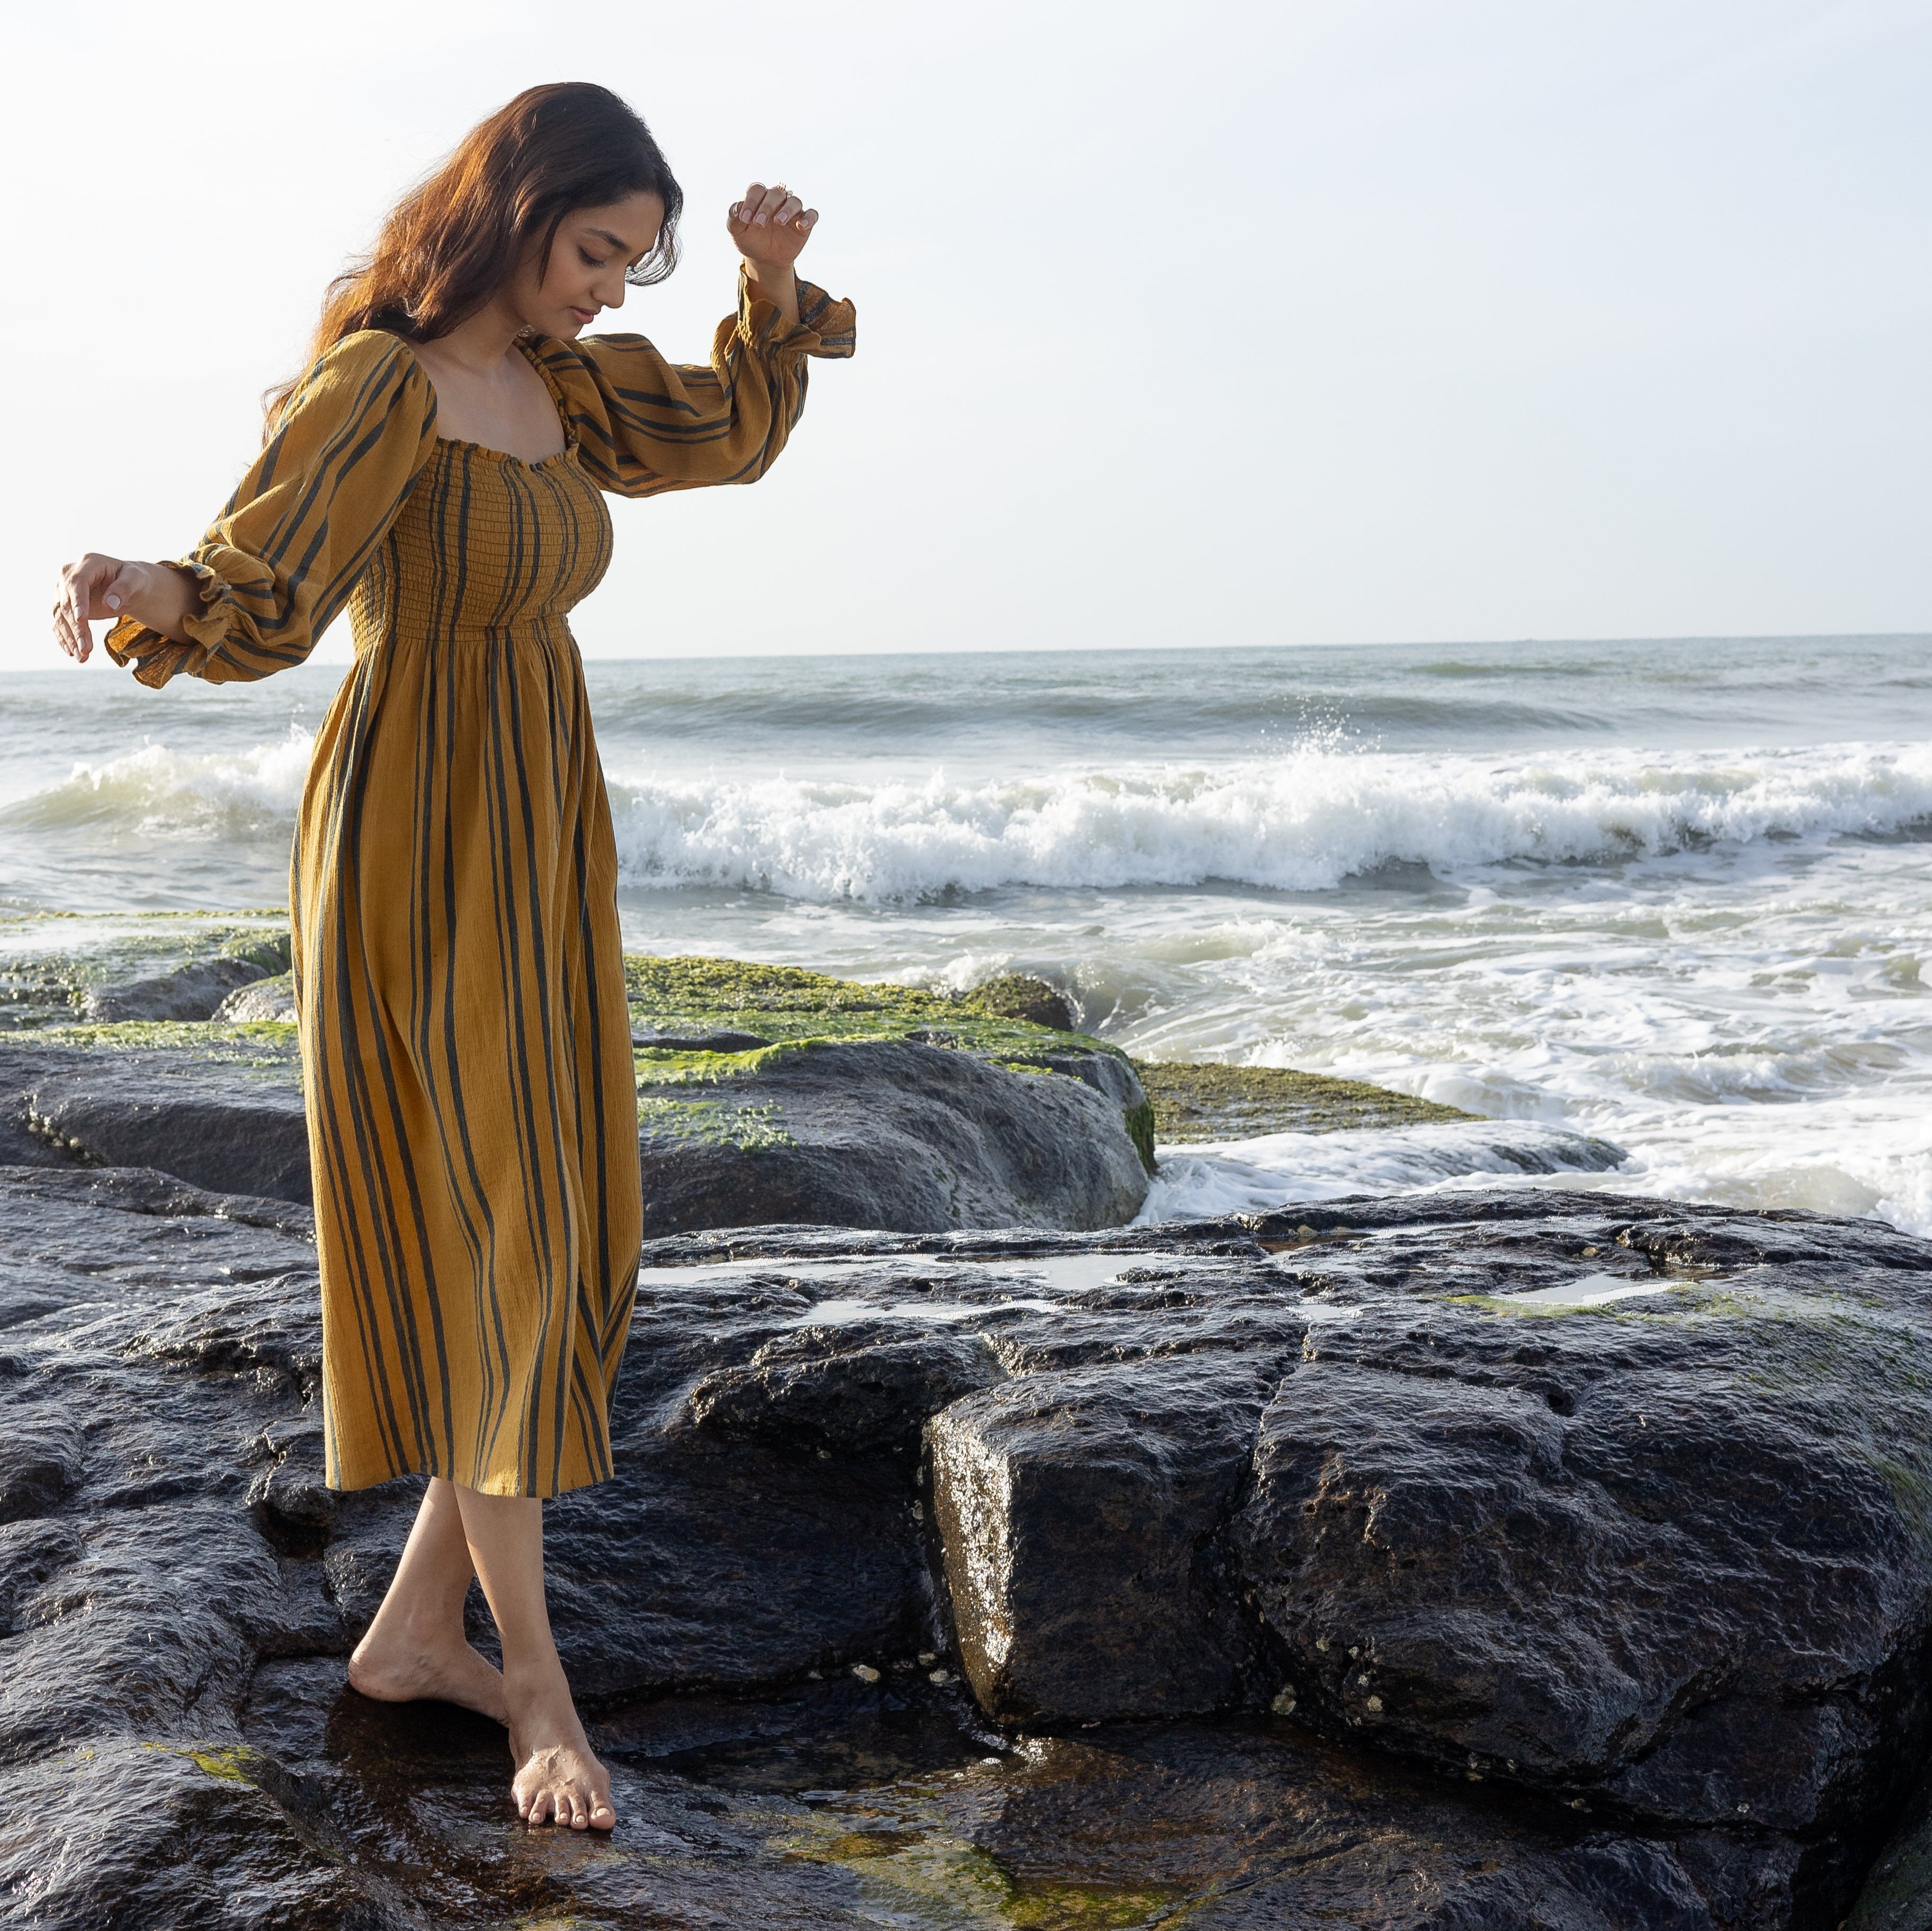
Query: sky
(1305, 321)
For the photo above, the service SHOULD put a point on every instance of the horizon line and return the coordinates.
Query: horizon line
(1144, 649)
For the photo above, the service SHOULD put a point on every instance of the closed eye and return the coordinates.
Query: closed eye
(590, 261)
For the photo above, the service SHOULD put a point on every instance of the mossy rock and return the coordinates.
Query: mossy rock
(765, 1015)
(787, 1006)
(179, 965)
(1194, 1102)
(1020, 995)
(791, 1003)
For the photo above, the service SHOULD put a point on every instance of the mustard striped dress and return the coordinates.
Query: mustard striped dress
(459, 976)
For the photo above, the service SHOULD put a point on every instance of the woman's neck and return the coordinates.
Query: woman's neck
(480, 343)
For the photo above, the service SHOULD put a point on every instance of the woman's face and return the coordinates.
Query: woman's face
(593, 247)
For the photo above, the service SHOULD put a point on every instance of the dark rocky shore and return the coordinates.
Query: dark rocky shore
(1476, 1560)
(1283, 1572)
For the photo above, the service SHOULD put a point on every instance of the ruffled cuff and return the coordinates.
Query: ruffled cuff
(824, 327)
(155, 658)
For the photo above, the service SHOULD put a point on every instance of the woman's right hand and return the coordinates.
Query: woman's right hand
(101, 587)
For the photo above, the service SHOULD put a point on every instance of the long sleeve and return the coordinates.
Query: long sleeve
(278, 564)
(643, 424)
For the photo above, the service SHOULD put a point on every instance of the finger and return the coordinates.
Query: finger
(787, 211)
(76, 609)
(768, 203)
(86, 588)
(746, 209)
(807, 221)
(125, 583)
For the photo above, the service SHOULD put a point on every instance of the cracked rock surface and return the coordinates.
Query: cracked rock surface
(1289, 1571)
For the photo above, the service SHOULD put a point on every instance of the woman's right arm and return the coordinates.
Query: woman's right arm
(98, 587)
(279, 562)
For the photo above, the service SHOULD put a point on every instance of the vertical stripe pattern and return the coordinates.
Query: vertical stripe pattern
(459, 972)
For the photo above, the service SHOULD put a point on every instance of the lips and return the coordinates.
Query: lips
(585, 316)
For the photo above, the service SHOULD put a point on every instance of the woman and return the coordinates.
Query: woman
(459, 977)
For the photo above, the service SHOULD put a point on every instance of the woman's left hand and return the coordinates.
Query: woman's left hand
(771, 225)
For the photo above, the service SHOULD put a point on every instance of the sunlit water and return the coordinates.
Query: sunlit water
(1675, 896)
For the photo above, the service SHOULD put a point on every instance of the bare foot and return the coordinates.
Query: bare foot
(397, 1668)
(558, 1781)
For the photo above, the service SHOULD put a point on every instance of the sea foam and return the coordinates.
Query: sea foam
(1302, 821)
(158, 789)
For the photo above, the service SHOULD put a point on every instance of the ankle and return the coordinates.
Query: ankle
(416, 1629)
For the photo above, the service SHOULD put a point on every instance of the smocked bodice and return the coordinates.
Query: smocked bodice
(484, 545)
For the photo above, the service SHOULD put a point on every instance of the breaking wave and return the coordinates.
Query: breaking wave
(1304, 821)
(213, 795)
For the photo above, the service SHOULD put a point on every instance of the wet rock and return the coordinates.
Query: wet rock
(896, 1135)
(839, 1388)
(1077, 1518)
(40, 1463)
(190, 991)
(710, 1040)
(1024, 995)
(1194, 1101)
(1898, 1895)
(265, 999)
(1250, 1827)
(886, 1133)
(1645, 1562)
(214, 1122)
(1665, 1556)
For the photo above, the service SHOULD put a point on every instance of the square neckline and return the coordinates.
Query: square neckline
(526, 345)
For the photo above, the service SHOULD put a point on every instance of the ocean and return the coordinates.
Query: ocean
(1677, 896)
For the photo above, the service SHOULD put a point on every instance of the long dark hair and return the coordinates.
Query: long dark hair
(450, 243)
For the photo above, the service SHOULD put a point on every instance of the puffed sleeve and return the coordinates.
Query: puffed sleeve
(279, 562)
(643, 424)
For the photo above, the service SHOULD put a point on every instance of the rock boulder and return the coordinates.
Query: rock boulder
(903, 1135)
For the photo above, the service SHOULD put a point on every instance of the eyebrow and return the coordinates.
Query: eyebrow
(617, 241)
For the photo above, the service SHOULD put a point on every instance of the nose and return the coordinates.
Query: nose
(609, 289)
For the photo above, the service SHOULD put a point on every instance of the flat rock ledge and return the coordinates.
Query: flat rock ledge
(1482, 1559)
(764, 1093)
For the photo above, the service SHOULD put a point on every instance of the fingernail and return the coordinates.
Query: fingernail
(113, 602)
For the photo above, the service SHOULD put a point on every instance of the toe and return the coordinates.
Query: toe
(580, 1818)
(602, 1816)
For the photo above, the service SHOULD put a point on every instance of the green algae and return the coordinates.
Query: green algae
(788, 1005)
(797, 1011)
(230, 1763)
(49, 962)
(1211, 1102)
(711, 1122)
(911, 1862)
(265, 1044)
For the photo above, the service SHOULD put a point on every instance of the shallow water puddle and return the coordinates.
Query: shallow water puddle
(1592, 1290)
(845, 1313)
(1067, 1274)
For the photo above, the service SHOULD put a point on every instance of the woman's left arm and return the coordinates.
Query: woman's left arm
(645, 425)
(770, 227)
